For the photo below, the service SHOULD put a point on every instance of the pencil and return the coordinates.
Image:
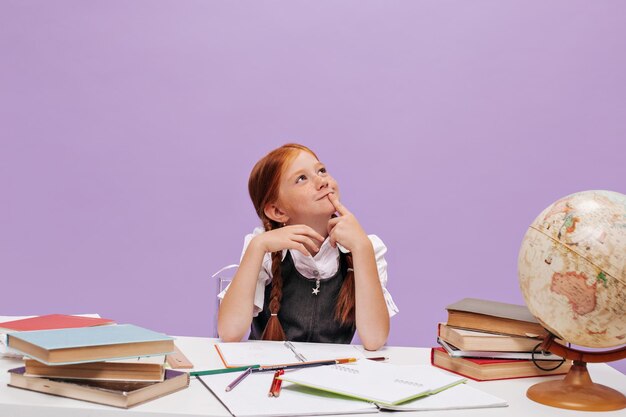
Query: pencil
(222, 370)
(378, 358)
(238, 379)
(304, 364)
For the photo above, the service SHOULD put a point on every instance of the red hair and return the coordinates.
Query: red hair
(263, 186)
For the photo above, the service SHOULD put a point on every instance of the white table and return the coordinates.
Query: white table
(197, 401)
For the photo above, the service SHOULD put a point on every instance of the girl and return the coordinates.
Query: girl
(312, 274)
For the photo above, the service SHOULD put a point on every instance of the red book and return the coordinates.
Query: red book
(52, 321)
(491, 369)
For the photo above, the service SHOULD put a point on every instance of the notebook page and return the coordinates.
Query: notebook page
(325, 351)
(458, 397)
(255, 352)
(373, 381)
(249, 398)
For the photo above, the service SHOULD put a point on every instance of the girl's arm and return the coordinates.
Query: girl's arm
(372, 316)
(235, 313)
(237, 308)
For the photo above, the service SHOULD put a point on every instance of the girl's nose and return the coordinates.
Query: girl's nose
(322, 183)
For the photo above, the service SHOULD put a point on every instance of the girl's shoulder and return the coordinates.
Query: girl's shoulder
(379, 246)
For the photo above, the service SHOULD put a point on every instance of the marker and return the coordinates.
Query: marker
(238, 379)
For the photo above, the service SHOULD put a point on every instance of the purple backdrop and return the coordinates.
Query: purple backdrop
(128, 130)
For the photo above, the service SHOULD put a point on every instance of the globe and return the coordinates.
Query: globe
(572, 268)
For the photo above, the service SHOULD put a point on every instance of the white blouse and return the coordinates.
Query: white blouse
(323, 265)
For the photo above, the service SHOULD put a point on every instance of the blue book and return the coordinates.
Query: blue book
(90, 344)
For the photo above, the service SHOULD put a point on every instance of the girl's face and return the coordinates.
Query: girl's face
(304, 187)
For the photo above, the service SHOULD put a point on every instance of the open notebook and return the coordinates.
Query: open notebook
(382, 383)
(458, 397)
(267, 353)
(250, 399)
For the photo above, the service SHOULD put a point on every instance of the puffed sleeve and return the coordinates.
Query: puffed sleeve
(379, 252)
(264, 274)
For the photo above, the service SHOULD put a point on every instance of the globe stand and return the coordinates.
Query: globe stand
(577, 391)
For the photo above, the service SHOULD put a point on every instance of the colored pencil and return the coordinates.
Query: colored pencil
(222, 370)
(238, 379)
(304, 364)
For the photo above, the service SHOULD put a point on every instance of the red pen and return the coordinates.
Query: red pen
(276, 384)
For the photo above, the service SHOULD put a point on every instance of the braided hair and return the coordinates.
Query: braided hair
(263, 186)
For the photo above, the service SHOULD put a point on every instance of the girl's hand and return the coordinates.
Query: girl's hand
(299, 237)
(345, 229)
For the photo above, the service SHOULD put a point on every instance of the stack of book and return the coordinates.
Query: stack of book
(119, 365)
(487, 340)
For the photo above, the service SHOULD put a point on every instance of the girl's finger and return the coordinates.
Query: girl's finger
(307, 242)
(303, 229)
(332, 223)
(312, 233)
(302, 249)
(331, 238)
(341, 209)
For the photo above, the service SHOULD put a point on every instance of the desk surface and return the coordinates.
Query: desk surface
(197, 401)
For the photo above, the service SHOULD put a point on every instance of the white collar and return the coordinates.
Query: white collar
(323, 265)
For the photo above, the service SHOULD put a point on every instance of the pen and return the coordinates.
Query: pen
(238, 379)
(276, 384)
(222, 370)
(304, 364)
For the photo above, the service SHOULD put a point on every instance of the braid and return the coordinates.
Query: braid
(273, 328)
(345, 308)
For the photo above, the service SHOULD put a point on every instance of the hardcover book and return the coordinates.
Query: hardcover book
(474, 340)
(117, 394)
(52, 321)
(491, 369)
(458, 353)
(90, 344)
(149, 369)
(493, 316)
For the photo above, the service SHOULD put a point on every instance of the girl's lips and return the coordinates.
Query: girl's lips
(325, 195)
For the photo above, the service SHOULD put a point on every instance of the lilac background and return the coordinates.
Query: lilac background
(128, 130)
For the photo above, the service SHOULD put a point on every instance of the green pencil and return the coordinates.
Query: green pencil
(223, 370)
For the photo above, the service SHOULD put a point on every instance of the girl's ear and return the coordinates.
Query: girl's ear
(273, 212)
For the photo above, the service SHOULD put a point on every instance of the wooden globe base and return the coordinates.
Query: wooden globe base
(577, 392)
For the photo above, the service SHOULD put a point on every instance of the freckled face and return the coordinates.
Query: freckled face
(304, 187)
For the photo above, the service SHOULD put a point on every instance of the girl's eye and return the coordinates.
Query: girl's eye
(322, 170)
(300, 178)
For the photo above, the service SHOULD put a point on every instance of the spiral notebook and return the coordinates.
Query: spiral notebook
(381, 383)
(269, 353)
